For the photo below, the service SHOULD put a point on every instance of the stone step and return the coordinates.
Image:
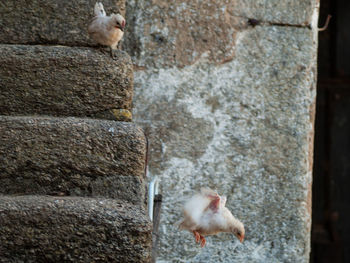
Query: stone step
(72, 229)
(71, 156)
(65, 81)
(62, 22)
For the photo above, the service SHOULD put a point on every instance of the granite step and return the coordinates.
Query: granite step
(61, 22)
(65, 81)
(72, 229)
(72, 156)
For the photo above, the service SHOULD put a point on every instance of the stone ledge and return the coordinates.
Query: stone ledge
(62, 22)
(70, 156)
(57, 229)
(64, 81)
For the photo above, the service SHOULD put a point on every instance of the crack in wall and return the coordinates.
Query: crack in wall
(288, 25)
(255, 22)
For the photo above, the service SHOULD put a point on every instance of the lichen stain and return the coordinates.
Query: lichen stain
(181, 32)
(171, 134)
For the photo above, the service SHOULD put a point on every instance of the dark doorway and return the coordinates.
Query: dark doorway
(331, 176)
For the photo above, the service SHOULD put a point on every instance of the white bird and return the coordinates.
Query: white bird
(106, 30)
(205, 214)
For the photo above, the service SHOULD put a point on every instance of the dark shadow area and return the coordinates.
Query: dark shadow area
(331, 174)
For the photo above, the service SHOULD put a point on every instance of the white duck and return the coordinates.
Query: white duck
(106, 30)
(206, 214)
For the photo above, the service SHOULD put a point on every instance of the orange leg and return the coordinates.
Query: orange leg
(202, 241)
(196, 235)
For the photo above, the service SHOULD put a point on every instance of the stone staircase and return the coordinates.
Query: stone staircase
(72, 185)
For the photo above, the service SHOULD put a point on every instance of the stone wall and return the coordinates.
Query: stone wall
(225, 91)
(72, 165)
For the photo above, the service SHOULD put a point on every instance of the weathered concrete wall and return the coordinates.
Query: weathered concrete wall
(229, 106)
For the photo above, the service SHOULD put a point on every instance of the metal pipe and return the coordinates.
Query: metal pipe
(153, 189)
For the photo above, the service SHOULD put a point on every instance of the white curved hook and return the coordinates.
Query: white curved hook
(153, 189)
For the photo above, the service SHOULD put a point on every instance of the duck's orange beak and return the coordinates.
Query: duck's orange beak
(241, 238)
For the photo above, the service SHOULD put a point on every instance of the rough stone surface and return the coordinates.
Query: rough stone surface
(241, 125)
(167, 33)
(287, 12)
(63, 81)
(69, 156)
(62, 22)
(57, 229)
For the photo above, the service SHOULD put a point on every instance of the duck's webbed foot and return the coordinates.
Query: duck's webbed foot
(113, 53)
(199, 238)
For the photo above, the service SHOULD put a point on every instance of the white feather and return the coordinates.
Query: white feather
(99, 10)
(196, 206)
